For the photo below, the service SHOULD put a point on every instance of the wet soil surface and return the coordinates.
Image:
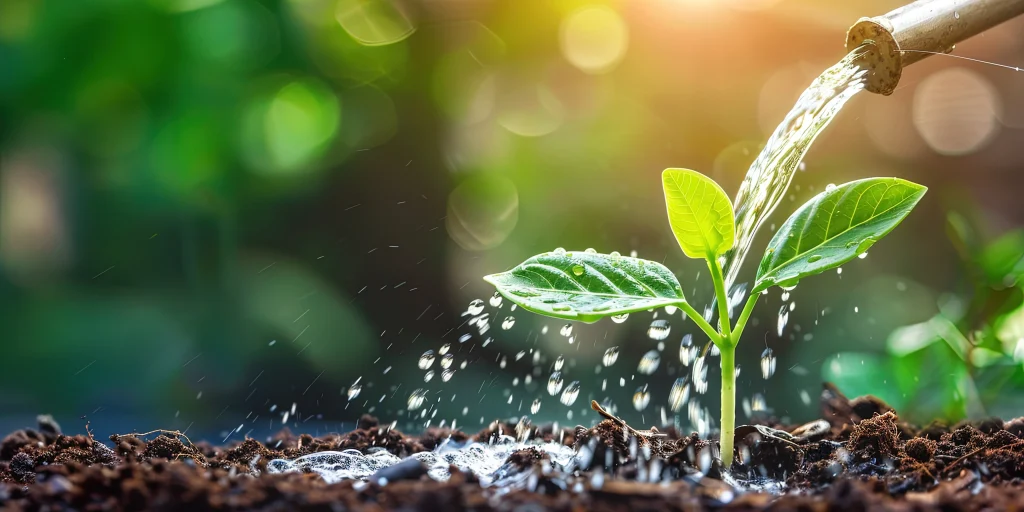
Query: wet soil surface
(859, 456)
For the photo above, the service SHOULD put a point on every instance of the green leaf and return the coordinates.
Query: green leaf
(699, 212)
(834, 227)
(587, 286)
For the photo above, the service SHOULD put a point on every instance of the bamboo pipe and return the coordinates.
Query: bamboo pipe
(903, 36)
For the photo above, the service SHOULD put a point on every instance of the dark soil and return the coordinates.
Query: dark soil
(858, 457)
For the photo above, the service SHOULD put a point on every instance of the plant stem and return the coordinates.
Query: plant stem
(728, 403)
(741, 322)
(723, 304)
(699, 320)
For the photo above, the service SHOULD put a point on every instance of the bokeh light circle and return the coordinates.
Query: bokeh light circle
(374, 22)
(482, 212)
(956, 111)
(594, 39)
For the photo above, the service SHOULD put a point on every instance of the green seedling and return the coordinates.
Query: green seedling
(831, 229)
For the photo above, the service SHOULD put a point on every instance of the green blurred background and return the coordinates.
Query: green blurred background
(213, 209)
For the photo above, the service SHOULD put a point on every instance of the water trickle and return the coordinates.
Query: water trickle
(620, 318)
(679, 394)
(659, 330)
(555, 383)
(426, 360)
(641, 398)
(610, 356)
(508, 322)
(566, 330)
(767, 363)
(476, 306)
(769, 176)
(496, 300)
(649, 363)
(571, 392)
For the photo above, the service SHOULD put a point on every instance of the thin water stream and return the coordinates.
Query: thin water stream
(769, 176)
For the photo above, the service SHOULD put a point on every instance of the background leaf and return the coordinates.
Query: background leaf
(587, 286)
(834, 227)
(699, 212)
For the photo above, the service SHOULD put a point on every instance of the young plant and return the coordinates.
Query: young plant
(832, 228)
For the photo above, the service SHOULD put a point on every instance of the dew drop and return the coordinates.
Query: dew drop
(830, 187)
(620, 318)
(577, 270)
(590, 250)
(862, 255)
(814, 258)
(559, 251)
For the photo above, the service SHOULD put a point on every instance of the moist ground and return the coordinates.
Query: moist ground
(860, 456)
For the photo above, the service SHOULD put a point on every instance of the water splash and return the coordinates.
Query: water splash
(772, 171)
(483, 460)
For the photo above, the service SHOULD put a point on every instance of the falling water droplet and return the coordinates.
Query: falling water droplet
(427, 376)
(610, 356)
(508, 322)
(465, 337)
(559, 362)
(784, 296)
(862, 255)
(679, 394)
(620, 318)
(571, 392)
(700, 375)
(446, 375)
(536, 406)
(687, 350)
(475, 307)
(641, 398)
(659, 330)
(566, 330)
(555, 383)
(783, 318)
(496, 300)
(649, 363)
(416, 399)
(839, 270)
(445, 348)
(956, 14)
(767, 363)
(354, 390)
(426, 360)
(757, 403)
(447, 360)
